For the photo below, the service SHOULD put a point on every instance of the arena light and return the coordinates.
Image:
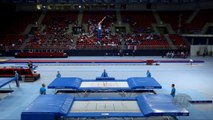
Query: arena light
(38, 6)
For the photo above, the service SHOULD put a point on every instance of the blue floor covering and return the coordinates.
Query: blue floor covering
(194, 80)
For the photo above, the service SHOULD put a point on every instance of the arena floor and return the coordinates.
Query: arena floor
(192, 81)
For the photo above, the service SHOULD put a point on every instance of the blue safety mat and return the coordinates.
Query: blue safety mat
(160, 105)
(143, 83)
(65, 83)
(105, 78)
(46, 107)
(4, 81)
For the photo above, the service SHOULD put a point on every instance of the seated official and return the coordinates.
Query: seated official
(104, 74)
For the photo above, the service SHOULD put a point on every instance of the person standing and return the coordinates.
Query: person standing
(191, 61)
(148, 74)
(104, 74)
(43, 89)
(58, 75)
(173, 91)
(17, 78)
(30, 65)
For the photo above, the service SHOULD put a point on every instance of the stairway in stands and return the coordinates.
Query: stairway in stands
(29, 27)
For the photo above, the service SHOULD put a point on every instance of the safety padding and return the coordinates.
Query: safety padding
(105, 78)
(160, 105)
(65, 83)
(143, 83)
(48, 107)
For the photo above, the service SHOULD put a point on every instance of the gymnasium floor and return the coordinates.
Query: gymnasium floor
(192, 81)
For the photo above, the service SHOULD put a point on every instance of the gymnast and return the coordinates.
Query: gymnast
(148, 74)
(104, 74)
(100, 29)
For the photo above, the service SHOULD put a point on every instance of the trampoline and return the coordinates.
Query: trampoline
(4, 81)
(78, 84)
(51, 107)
